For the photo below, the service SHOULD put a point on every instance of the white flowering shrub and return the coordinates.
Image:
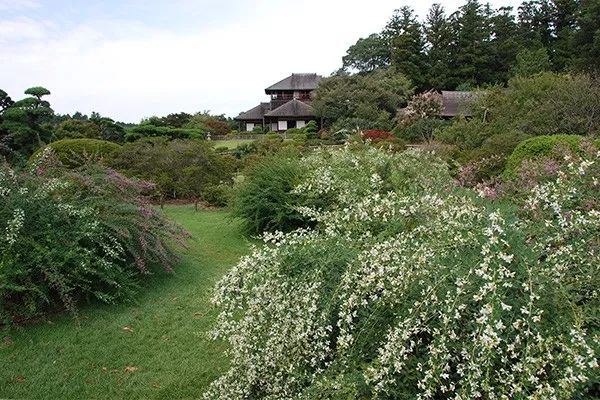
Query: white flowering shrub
(410, 289)
(68, 235)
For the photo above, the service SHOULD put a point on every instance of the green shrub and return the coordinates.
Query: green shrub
(420, 130)
(542, 147)
(148, 131)
(181, 169)
(393, 144)
(409, 288)
(76, 129)
(75, 234)
(264, 199)
(488, 161)
(75, 152)
(294, 131)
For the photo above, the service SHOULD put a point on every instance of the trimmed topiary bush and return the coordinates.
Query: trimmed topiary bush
(539, 147)
(75, 152)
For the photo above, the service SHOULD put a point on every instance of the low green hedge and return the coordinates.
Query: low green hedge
(73, 152)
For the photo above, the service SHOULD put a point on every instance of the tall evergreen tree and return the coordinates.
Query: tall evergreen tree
(438, 35)
(405, 35)
(504, 45)
(368, 54)
(587, 38)
(535, 23)
(564, 26)
(470, 49)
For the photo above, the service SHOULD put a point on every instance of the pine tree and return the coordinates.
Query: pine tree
(438, 35)
(470, 49)
(504, 46)
(404, 33)
(587, 39)
(564, 24)
(535, 23)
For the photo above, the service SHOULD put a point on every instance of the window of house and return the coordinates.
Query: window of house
(249, 127)
(282, 125)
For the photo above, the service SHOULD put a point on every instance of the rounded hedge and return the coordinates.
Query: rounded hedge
(73, 152)
(536, 148)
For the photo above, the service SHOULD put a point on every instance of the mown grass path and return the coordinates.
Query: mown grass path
(157, 348)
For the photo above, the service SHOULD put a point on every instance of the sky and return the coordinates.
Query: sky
(131, 59)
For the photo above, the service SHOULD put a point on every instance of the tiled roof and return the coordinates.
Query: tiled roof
(293, 108)
(296, 82)
(458, 103)
(256, 113)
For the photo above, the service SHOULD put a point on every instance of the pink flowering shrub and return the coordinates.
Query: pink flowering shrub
(70, 235)
(409, 289)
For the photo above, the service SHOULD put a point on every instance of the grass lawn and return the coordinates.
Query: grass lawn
(231, 144)
(156, 348)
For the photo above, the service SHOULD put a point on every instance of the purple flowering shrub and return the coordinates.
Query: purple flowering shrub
(76, 234)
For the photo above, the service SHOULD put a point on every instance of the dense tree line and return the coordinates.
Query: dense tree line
(478, 45)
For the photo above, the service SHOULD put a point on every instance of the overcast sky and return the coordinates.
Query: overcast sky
(129, 59)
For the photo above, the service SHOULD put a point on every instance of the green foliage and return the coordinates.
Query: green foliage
(374, 97)
(149, 131)
(405, 37)
(264, 199)
(543, 104)
(75, 234)
(420, 130)
(181, 169)
(75, 152)
(367, 55)
(76, 129)
(478, 46)
(408, 287)
(531, 62)
(167, 338)
(215, 125)
(311, 126)
(541, 147)
(5, 100)
(177, 120)
(22, 128)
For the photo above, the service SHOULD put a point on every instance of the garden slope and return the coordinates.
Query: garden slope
(157, 348)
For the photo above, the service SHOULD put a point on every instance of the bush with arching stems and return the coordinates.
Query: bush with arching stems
(75, 152)
(408, 287)
(76, 234)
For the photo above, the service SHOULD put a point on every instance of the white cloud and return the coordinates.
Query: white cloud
(18, 5)
(128, 70)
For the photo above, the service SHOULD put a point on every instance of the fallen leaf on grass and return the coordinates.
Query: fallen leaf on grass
(156, 385)
(127, 329)
(20, 378)
(199, 314)
(129, 370)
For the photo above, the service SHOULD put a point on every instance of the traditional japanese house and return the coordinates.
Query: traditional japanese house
(290, 105)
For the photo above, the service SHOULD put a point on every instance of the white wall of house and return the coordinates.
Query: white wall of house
(282, 125)
(300, 124)
(274, 126)
(249, 127)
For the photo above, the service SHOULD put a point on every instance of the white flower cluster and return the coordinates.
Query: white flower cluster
(423, 290)
(14, 225)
